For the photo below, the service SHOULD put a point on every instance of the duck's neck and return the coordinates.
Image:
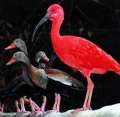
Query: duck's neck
(27, 61)
(55, 31)
(32, 68)
(32, 71)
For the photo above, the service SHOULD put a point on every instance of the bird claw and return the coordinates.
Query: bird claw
(84, 108)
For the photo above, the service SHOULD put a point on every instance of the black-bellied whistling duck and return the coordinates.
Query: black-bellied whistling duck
(56, 74)
(38, 76)
(18, 43)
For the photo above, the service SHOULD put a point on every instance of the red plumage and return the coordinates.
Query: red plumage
(77, 52)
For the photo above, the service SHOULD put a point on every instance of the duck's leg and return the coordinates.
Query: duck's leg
(22, 104)
(56, 106)
(33, 103)
(1, 107)
(17, 106)
(42, 108)
(58, 102)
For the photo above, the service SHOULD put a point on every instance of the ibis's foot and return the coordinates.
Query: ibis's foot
(73, 113)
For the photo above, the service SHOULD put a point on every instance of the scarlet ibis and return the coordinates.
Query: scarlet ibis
(78, 52)
(20, 44)
(54, 74)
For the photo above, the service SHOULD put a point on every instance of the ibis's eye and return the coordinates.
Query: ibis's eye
(54, 10)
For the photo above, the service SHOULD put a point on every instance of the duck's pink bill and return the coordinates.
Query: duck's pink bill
(11, 61)
(11, 46)
(46, 59)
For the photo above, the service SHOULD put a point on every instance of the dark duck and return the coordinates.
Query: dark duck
(54, 74)
(38, 76)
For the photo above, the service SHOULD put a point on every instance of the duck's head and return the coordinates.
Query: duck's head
(18, 43)
(18, 57)
(41, 55)
(54, 13)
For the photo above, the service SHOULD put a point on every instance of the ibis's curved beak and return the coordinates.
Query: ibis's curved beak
(11, 46)
(43, 20)
(11, 61)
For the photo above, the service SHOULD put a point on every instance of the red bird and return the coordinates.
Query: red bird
(77, 52)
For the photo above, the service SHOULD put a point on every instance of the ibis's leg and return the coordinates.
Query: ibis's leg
(88, 105)
(87, 102)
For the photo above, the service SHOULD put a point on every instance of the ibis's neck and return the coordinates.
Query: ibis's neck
(55, 30)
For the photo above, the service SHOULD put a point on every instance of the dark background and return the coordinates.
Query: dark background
(96, 20)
